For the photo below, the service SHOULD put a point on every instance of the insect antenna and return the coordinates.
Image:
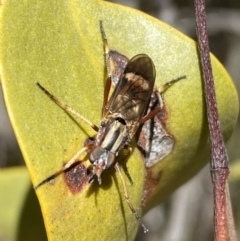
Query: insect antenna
(66, 107)
(128, 199)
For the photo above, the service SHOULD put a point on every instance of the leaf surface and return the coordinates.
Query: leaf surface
(59, 44)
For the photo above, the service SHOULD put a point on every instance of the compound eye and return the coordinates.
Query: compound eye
(96, 154)
(111, 159)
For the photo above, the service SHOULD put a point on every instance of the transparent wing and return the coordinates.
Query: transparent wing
(132, 93)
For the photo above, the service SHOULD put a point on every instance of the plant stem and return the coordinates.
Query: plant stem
(219, 157)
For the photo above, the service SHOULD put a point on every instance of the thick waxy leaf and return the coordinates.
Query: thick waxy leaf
(20, 217)
(58, 43)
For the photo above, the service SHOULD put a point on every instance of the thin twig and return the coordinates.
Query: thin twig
(219, 158)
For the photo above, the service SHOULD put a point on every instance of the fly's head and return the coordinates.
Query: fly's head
(101, 159)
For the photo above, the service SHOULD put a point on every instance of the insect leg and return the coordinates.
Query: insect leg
(107, 61)
(128, 199)
(106, 91)
(129, 149)
(115, 61)
(163, 87)
(106, 49)
(66, 107)
(66, 166)
(150, 115)
(159, 93)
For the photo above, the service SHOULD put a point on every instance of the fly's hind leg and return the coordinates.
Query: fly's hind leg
(163, 87)
(115, 61)
(159, 94)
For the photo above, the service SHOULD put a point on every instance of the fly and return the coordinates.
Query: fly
(122, 115)
(154, 141)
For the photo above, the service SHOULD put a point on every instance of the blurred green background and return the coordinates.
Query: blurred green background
(187, 215)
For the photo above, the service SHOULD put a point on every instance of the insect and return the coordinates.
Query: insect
(154, 141)
(123, 113)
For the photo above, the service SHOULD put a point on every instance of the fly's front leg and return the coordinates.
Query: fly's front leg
(129, 150)
(66, 166)
(133, 210)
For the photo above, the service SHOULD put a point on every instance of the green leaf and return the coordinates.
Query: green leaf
(59, 44)
(20, 217)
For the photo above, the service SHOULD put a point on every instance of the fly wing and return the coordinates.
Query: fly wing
(132, 93)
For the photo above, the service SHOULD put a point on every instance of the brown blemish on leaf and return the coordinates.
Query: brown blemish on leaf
(150, 185)
(154, 141)
(76, 177)
(118, 63)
